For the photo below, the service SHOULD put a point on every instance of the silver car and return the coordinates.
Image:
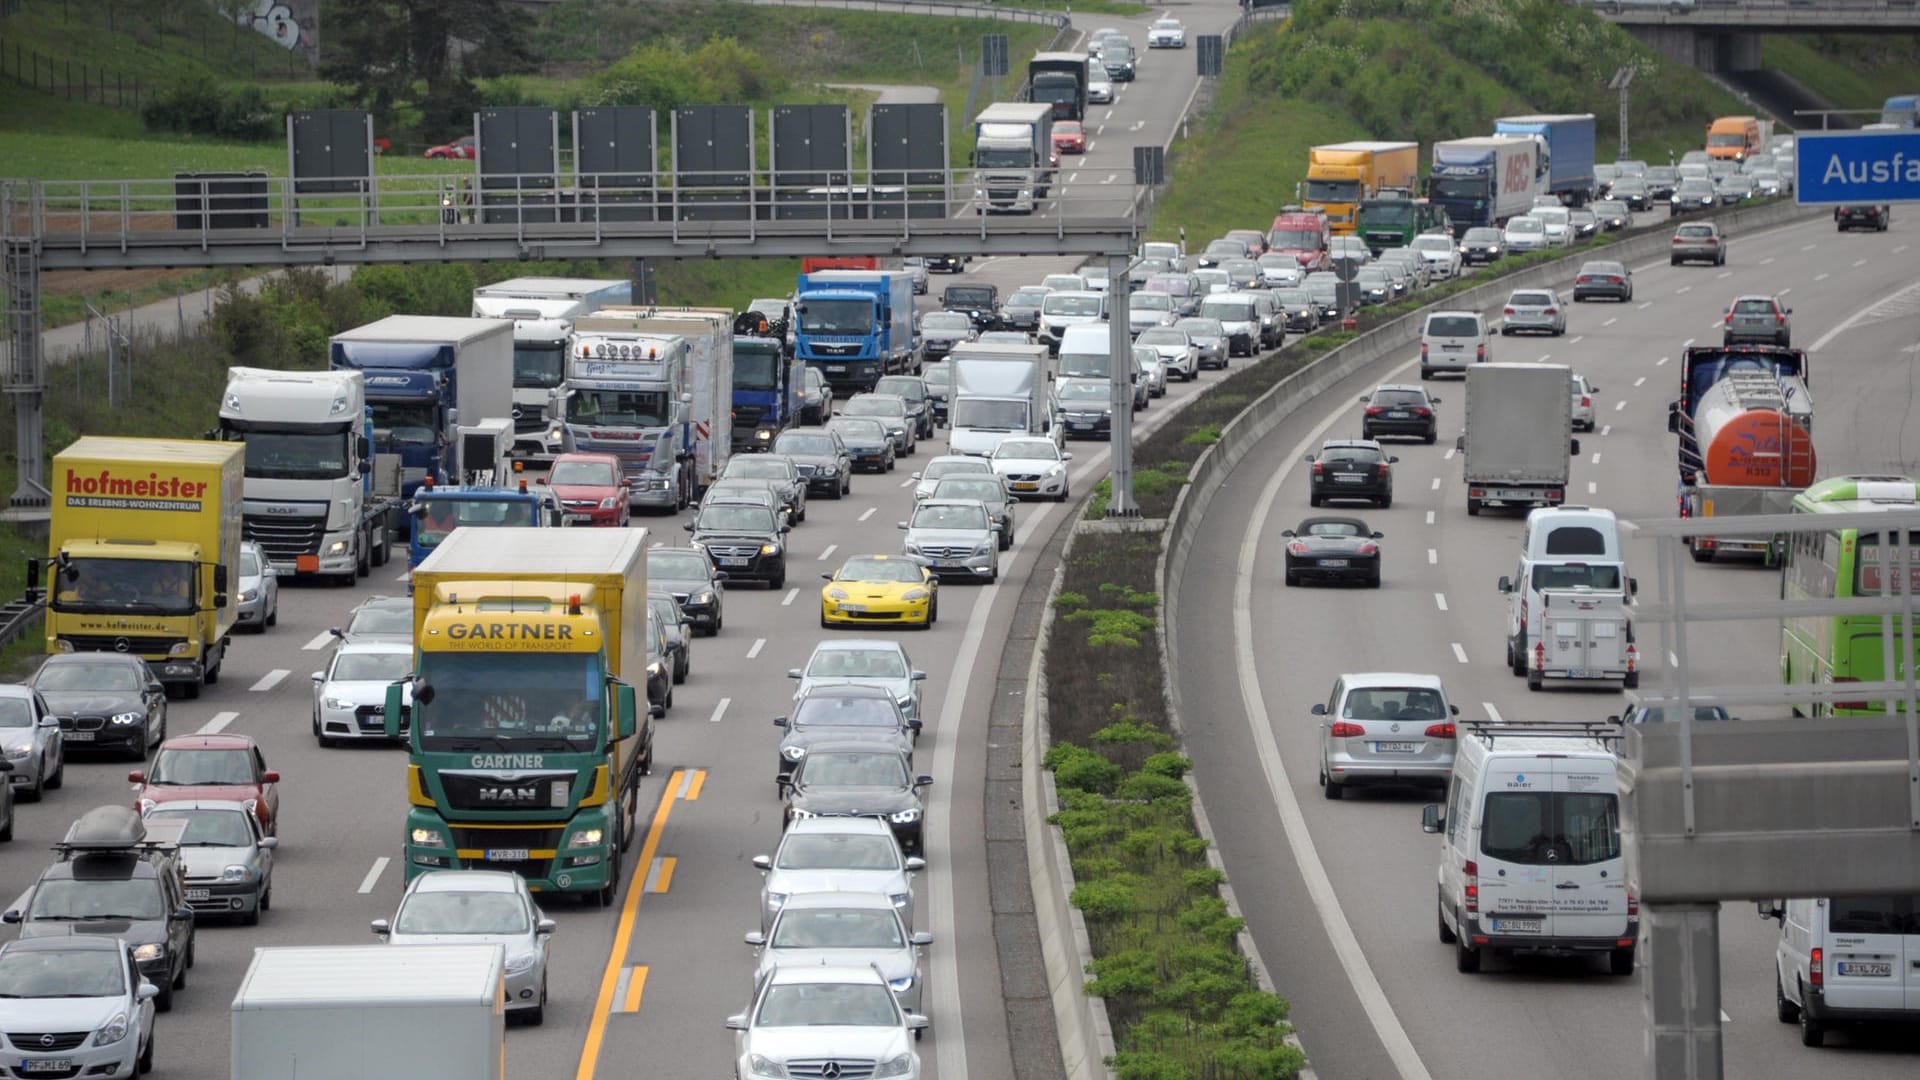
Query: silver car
(1239, 322)
(845, 928)
(837, 854)
(1385, 727)
(350, 696)
(915, 268)
(1280, 270)
(30, 736)
(1582, 400)
(480, 907)
(862, 662)
(781, 1033)
(1209, 337)
(892, 412)
(1525, 233)
(1033, 467)
(842, 713)
(259, 605)
(944, 466)
(1146, 310)
(1534, 310)
(229, 861)
(87, 986)
(988, 490)
(1178, 355)
(1152, 369)
(953, 539)
(379, 618)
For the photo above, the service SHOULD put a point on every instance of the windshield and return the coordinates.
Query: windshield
(979, 415)
(1084, 365)
(15, 713)
(210, 828)
(125, 586)
(396, 426)
(874, 406)
(940, 375)
(1576, 575)
(249, 563)
(962, 467)
(1459, 187)
(372, 666)
(1150, 301)
(853, 769)
(907, 387)
(872, 570)
(1227, 310)
(1389, 213)
(1011, 158)
(1727, 138)
(620, 408)
(986, 489)
(946, 320)
(1026, 297)
(756, 467)
(540, 364)
(134, 899)
(183, 766)
(837, 930)
(1545, 828)
(829, 851)
(1027, 450)
(75, 973)
(582, 474)
(539, 701)
(1333, 191)
(1526, 225)
(667, 609)
(445, 515)
(949, 516)
(1874, 915)
(859, 431)
(676, 565)
(1201, 327)
(821, 711)
(1167, 336)
(89, 677)
(828, 1005)
(1084, 391)
(970, 296)
(756, 369)
(1071, 305)
(281, 455)
(753, 519)
(804, 445)
(461, 913)
(381, 619)
(1432, 243)
(826, 316)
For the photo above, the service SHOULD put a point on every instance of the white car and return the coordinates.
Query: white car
(1558, 223)
(1153, 368)
(259, 605)
(1099, 88)
(801, 1014)
(946, 465)
(1167, 34)
(86, 988)
(1033, 467)
(1583, 411)
(480, 907)
(852, 928)
(1525, 233)
(350, 697)
(837, 854)
(30, 736)
(229, 860)
(1178, 354)
(1441, 253)
(862, 662)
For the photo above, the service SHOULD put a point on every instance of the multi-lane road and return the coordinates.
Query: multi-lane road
(1341, 895)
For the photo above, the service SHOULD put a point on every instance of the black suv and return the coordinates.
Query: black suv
(859, 779)
(821, 457)
(1352, 469)
(118, 876)
(981, 303)
(748, 543)
(687, 575)
(1860, 217)
(1394, 409)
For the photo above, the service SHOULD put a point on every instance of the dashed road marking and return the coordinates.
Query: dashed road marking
(1687, 342)
(719, 710)
(787, 600)
(1645, 304)
(1821, 277)
(270, 680)
(1858, 263)
(1606, 429)
(908, 482)
(1684, 289)
(1618, 405)
(695, 781)
(1592, 487)
(320, 641)
(828, 553)
(1578, 340)
(1543, 358)
(1440, 599)
(753, 652)
(1672, 659)
(1073, 176)
(1768, 261)
(1493, 714)
(1663, 361)
(660, 874)
(1596, 457)
(868, 512)
(373, 875)
(218, 724)
(1459, 653)
(1808, 247)
(1641, 381)
(1436, 483)
(1725, 274)
(1900, 249)
(1433, 556)
(1429, 517)
(636, 980)
(1611, 321)
(1448, 456)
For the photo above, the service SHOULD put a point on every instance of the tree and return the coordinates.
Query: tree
(391, 53)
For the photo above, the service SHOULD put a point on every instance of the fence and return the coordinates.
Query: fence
(63, 78)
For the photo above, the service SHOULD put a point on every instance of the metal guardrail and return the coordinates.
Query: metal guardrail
(939, 8)
(1760, 14)
(18, 616)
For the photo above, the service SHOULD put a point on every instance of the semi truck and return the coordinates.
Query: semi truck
(1339, 175)
(855, 326)
(1305, 236)
(143, 548)
(1059, 79)
(425, 372)
(1567, 142)
(769, 382)
(1517, 447)
(492, 493)
(1392, 221)
(525, 738)
(999, 391)
(1481, 182)
(1745, 426)
(1013, 157)
(705, 430)
(542, 310)
(372, 1012)
(318, 501)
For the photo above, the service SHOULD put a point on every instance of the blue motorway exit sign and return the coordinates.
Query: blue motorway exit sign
(1847, 168)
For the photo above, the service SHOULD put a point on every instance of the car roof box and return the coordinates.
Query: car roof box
(119, 829)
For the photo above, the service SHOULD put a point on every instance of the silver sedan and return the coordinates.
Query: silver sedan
(482, 907)
(30, 736)
(854, 929)
(1541, 310)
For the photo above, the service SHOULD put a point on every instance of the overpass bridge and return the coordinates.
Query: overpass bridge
(1724, 35)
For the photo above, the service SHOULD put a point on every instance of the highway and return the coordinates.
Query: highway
(1340, 896)
(647, 984)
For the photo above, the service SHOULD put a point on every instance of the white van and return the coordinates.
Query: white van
(1530, 856)
(1562, 547)
(1451, 340)
(1844, 959)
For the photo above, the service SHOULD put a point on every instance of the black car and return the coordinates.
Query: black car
(911, 389)
(1086, 408)
(1861, 217)
(1352, 469)
(659, 667)
(844, 713)
(1396, 409)
(1333, 549)
(676, 633)
(118, 876)
(947, 264)
(1601, 278)
(939, 381)
(980, 303)
(689, 576)
(1480, 246)
(1660, 183)
(1634, 191)
(868, 444)
(748, 543)
(781, 473)
(816, 396)
(940, 331)
(858, 779)
(821, 457)
(1022, 309)
(108, 702)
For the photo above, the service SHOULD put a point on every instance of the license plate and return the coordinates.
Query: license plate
(48, 1065)
(198, 894)
(1519, 926)
(1084, 427)
(1396, 416)
(579, 517)
(734, 562)
(836, 367)
(1333, 564)
(77, 736)
(1395, 747)
(1585, 673)
(1021, 485)
(1348, 479)
(856, 608)
(507, 854)
(1451, 348)
(1866, 969)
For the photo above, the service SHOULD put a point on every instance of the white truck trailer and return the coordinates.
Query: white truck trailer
(999, 391)
(543, 310)
(1517, 447)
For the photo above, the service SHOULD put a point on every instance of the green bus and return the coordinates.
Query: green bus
(1834, 564)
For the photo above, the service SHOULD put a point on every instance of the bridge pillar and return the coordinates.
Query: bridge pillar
(1740, 52)
(1677, 43)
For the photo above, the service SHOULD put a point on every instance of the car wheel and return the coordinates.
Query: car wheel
(251, 918)
(1465, 960)
(1313, 499)
(1784, 1010)
(1331, 790)
(1006, 540)
(1430, 437)
(1440, 919)
(1386, 500)
(1426, 374)
(681, 667)
(145, 1063)
(1675, 261)
(36, 792)
(1473, 506)
(1620, 961)
(778, 582)
(1535, 681)
(538, 1014)
(6, 832)
(59, 777)
(1293, 576)
(1373, 580)
(1812, 1032)
(824, 624)
(190, 691)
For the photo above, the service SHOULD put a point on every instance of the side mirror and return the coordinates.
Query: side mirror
(1433, 399)
(922, 781)
(319, 676)
(156, 687)
(779, 721)
(147, 991)
(917, 675)
(719, 575)
(922, 937)
(1307, 458)
(136, 777)
(545, 927)
(796, 673)
(783, 782)
(182, 914)
(756, 939)
(825, 577)
(1574, 448)
(1460, 443)
(220, 583)
(381, 927)
(915, 476)
(914, 726)
(269, 843)
(1430, 819)
(1319, 709)
(1286, 532)
(737, 1023)
(1633, 586)
(1454, 710)
(628, 718)
(337, 632)
(918, 1022)
(1506, 584)
(1391, 460)
(270, 777)
(762, 862)
(11, 917)
(1066, 457)
(789, 528)
(915, 863)
(688, 526)
(1379, 536)
(1769, 909)
(901, 525)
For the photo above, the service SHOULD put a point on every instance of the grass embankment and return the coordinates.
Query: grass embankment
(1419, 70)
(1852, 71)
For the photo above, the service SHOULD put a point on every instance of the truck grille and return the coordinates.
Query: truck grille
(479, 791)
(121, 643)
(38, 1040)
(526, 868)
(529, 418)
(829, 1068)
(469, 837)
(285, 539)
(747, 415)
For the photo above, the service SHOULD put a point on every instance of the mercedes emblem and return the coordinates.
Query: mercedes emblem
(1394, 728)
(831, 1070)
(121, 644)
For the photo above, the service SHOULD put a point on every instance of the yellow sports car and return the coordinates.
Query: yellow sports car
(871, 590)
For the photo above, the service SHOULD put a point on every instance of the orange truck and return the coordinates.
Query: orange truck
(1736, 138)
(1340, 175)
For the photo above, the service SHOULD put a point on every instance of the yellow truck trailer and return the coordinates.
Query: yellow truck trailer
(1339, 175)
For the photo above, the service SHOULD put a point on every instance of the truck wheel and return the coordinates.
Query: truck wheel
(190, 691)
(1783, 1010)
(1631, 682)
(1440, 918)
(145, 1064)
(363, 559)
(1517, 656)
(383, 547)
(1473, 506)
(1700, 554)
(1812, 1032)
(1465, 960)
(1534, 681)
(1620, 961)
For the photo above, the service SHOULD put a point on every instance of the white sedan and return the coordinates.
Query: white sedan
(1099, 89)
(1441, 252)
(1583, 410)
(350, 697)
(1167, 34)
(1033, 467)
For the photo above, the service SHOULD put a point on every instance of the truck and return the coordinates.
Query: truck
(1013, 157)
(855, 326)
(703, 432)
(143, 550)
(1744, 420)
(1059, 79)
(542, 310)
(1567, 141)
(999, 391)
(769, 382)
(814, 263)
(1585, 635)
(492, 493)
(317, 499)
(1482, 182)
(524, 740)
(1517, 447)
(372, 1012)
(1339, 175)
(425, 372)
(1305, 236)
(1392, 221)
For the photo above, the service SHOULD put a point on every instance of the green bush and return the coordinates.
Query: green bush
(1128, 730)
(1146, 785)
(201, 106)
(1170, 765)
(1077, 767)
(1105, 900)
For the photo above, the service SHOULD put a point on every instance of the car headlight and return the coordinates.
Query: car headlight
(830, 470)
(112, 1031)
(769, 549)
(900, 899)
(897, 1066)
(586, 838)
(912, 548)
(146, 807)
(776, 900)
(335, 703)
(835, 592)
(609, 502)
(793, 753)
(338, 547)
(237, 872)
(910, 595)
(901, 985)
(556, 435)
(181, 648)
(248, 596)
(704, 596)
(520, 962)
(984, 549)
(653, 669)
(766, 1066)
(152, 950)
(905, 817)
(429, 838)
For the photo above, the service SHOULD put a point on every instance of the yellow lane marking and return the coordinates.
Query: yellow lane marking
(636, 984)
(622, 938)
(699, 781)
(665, 877)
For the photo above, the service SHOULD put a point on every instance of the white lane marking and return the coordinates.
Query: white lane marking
(270, 680)
(720, 710)
(218, 724)
(1858, 263)
(1543, 358)
(1326, 902)
(1440, 599)
(1578, 340)
(1766, 261)
(867, 513)
(1433, 556)
(320, 641)
(1493, 714)
(1645, 304)
(1684, 289)
(1784, 291)
(402, 577)
(1111, 177)
(1596, 457)
(754, 651)
(1137, 125)
(1436, 483)
(1672, 659)
(787, 600)
(1448, 456)
(1605, 430)
(1821, 277)
(1641, 381)
(1459, 653)
(373, 875)
(1900, 249)
(1592, 487)
(1687, 343)
(1090, 146)
(1663, 361)
(1859, 316)
(828, 553)
(1726, 274)
(1808, 247)
(1072, 176)
(1724, 1018)
(1108, 115)
(1714, 325)
(1611, 321)
(1618, 405)
(908, 482)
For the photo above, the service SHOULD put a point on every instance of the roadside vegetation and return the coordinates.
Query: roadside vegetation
(1852, 71)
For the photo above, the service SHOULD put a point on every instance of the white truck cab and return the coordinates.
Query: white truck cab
(1846, 959)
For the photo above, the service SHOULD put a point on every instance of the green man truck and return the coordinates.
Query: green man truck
(527, 743)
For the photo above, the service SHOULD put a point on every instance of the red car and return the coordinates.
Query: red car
(1069, 137)
(211, 767)
(465, 148)
(591, 489)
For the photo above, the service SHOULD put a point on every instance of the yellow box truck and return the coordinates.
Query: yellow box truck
(1339, 175)
(144, 538)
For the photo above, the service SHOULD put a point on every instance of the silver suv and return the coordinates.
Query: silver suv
(780, 1033)
(954, 538)
(1385, 728)
(1451, 340)
(1759, 319)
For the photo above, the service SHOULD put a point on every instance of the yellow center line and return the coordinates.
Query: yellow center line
(699, 781)
(665, 877)
(636, 984)
(623, 937)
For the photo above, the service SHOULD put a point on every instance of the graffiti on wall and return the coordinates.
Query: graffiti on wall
(293, 24)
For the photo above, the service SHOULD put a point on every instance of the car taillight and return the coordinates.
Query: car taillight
(1509, 311)
(1375, 410)
(1297, 548)
(1582, 280)
(1423, 411)
(1472, 874)
(1480, 352)
(1423, 350)
(1676, 239)
(1549, 311)
(1344, 730)
(1729, 318)
(1381, 468)
(1713, 239)
(1633, 903)
(1317, 470)
(1440, 731)
(1848, 704)
(1633, 654)
(1817, 966)
(1779, 319)
(1586, 401)
(1369, 549)
(1540, 656)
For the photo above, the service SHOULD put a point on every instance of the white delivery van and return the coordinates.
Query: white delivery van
(1530, 856)
(1562, 547)
(1846, 958)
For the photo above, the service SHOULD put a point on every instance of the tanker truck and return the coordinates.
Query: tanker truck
(1745, 425)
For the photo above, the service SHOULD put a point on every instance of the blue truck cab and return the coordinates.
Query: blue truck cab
(855, 326)
(768, 382)
(438, 510)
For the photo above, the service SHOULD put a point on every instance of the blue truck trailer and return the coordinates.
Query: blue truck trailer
(1569, 139)
(855, 326)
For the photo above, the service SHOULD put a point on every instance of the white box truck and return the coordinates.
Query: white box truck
(999, 391)
(1013, 156)
(1519, 435)
(371, 1012)
(543, 310)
